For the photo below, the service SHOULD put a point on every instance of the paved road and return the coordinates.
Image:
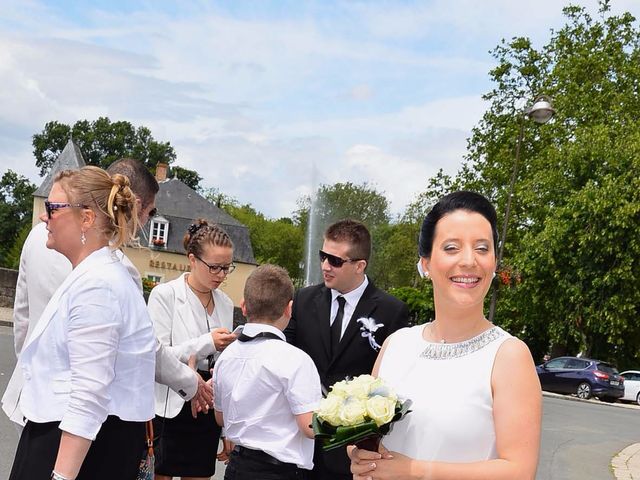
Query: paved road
(578, 439)
(8, 433)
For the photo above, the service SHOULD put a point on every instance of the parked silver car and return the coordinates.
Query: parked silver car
(631, 386)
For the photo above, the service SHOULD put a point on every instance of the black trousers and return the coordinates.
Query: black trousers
(115, 453)
(247, 464)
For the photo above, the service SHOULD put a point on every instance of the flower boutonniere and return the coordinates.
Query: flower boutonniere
(368, 327)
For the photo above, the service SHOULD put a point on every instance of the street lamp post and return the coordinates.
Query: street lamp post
(540, 112)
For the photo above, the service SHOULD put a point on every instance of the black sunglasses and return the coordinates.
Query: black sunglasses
(334, 261)
(215, 269)
(51, 207)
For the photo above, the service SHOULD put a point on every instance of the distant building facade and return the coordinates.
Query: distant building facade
(160, 255)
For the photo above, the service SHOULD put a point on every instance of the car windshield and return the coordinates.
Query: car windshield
(603, 367)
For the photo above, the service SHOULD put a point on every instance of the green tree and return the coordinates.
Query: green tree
(278, 242)
(16, 209)
(574, 220)
(339, 201)
(102, 142)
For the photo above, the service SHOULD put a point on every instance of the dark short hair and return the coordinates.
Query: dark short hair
(355, 234)
(461, 200)
(201, 233)
(143, 183)
(267, 292)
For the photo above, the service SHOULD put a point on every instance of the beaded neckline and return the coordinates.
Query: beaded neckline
(445, 351)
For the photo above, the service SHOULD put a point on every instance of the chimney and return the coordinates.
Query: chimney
(161, 172)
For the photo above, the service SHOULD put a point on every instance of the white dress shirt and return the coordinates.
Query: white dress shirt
(351, 301)
(92, 354)
(260, 386)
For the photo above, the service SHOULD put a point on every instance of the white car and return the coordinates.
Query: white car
(631, 386)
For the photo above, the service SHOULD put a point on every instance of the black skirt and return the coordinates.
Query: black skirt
(185, 446)
(115, 453)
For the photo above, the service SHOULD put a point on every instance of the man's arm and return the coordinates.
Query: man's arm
(21, 307)
(290, 331)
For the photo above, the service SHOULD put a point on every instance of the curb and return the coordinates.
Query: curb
(626, 464)
(573, 398)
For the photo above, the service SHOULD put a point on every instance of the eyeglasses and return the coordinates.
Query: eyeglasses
(215, 269)
(51, 207)
(334, 261)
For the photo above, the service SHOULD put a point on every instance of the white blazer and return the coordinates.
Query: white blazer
(183, 331)
(92, 353)
(40, 274)
(36, 285)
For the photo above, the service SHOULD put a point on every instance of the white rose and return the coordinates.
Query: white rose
(329, 409)
(360, 387)
(340, 388)
(381, 409)
(353, 411)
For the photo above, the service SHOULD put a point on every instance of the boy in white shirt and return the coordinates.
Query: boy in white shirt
(266, 389)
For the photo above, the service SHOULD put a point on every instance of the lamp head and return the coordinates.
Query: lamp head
(542, 110)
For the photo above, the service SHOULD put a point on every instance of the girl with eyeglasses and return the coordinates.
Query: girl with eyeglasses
(192, 317)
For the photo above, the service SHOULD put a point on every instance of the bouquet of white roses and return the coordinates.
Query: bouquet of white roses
(356, 411)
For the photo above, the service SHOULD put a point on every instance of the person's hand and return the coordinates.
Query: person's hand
(386, 465)
(202, 401)
(221, 338)
(224, 454)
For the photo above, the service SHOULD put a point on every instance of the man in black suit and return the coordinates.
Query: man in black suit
(342, 323)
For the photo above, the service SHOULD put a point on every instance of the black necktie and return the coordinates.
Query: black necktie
(336, 326)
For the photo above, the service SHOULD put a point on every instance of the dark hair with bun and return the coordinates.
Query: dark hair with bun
(461, 200)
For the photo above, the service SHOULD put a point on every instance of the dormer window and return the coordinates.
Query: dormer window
(159, 232)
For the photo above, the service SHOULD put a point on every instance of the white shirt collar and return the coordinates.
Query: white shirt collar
(252, 329)
(352, 297)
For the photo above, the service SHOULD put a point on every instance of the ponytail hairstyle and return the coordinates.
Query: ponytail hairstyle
(201, 233)
(109, 197)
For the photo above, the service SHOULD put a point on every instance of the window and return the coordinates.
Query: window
(557, 364)
(154, 278)
(159, 232)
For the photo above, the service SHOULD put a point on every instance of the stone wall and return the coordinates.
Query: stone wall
(8, 279)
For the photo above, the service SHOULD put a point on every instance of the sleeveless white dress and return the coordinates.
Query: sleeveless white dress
(451, 417)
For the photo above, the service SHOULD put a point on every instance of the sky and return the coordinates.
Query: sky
(268, 99)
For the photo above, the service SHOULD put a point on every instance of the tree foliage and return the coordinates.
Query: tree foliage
(574, 223)
(16, 209)
(102, 142)
(278, 242)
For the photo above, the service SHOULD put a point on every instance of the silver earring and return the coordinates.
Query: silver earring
(83, 239)
(426, 274)
(494, 275)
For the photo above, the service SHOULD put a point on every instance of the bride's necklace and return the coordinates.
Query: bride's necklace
(435, 335)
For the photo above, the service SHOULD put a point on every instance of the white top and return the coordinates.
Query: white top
(92, 353)
(351, 302)
(259, 387)
(451, 417)
(182, 329)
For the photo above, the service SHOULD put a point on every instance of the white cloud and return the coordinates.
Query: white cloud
(384, 92)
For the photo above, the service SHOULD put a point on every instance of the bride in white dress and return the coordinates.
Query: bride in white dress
(476, 410)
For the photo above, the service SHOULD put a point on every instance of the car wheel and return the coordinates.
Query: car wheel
(638, 399)
(584, 390)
